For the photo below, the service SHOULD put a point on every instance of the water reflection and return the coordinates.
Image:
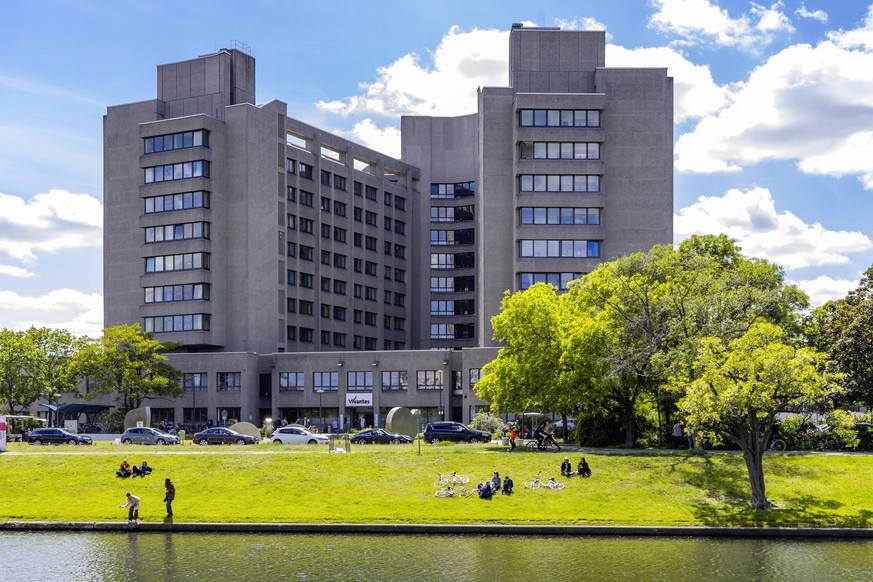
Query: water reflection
(164, 556)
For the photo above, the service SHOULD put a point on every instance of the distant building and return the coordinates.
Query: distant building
(305, 275)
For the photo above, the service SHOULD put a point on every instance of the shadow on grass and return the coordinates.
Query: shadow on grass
(727, 493)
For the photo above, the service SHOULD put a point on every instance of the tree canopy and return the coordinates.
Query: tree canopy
(127, 362)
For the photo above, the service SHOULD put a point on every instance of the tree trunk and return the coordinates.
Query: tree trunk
(753, 446)
(630, 426)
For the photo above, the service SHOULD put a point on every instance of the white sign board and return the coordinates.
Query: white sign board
(365, 399)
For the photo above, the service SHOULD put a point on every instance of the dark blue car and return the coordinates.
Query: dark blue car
(379, 436)
(57, 436)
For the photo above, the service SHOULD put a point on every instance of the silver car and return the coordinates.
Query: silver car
(147, 436)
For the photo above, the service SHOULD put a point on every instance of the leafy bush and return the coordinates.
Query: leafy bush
(488, 422)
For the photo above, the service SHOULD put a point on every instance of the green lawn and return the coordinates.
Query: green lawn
(393, 484)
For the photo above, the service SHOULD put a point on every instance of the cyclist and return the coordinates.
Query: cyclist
(539, 435)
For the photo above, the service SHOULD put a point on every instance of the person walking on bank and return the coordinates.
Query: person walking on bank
(169, 495)
(133, 505)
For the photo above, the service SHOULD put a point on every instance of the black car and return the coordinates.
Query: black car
(380, 436)
(57, 436)
(454, 431)
(223, 436)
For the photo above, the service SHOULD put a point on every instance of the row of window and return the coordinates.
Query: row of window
(176, 141)
(452, 284)
(452, 260)
(180, 262)
(556, 150)
(452, 331)
(339, 182)
(579, 249)
(559, 280)
(558, 183)
(391, 380)
(452, 307)
(183, 201)
(338, 339)
(549, 215)
(456, 190)
(166, 323)
(182, 171)
(451, 213)
(169, 232)
(361, 381)
(464, 236)
(559, 117)
(167, 293)
(199, 382)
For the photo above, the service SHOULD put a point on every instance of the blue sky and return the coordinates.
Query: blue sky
(773, 108)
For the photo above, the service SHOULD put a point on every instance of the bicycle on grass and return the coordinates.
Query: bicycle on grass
(453, 479)
(449, 491)
(536, 483)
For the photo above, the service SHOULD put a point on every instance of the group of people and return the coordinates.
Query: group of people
(125, 470)
(133, 502)
(487, 489)
(582, 469)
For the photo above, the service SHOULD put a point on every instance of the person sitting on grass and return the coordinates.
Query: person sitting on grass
(584, 470)
(124, 469)
(142, 471)
(485, 490)
(495, 482)
(566, 467)
(507, 486)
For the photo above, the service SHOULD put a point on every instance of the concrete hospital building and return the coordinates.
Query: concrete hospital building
(302, 272)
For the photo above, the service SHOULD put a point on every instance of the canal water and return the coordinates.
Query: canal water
(189, 556)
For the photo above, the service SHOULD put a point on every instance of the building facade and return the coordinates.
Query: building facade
(305, 275)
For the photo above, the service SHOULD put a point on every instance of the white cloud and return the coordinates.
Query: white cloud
(587, 23)
(382, 139)
(819, 15)
(823, 289)
(804, 103)
(48, 222)
(13, 271)
(861, 37)
(695, 93)
(751, 218)
(79, 313)
(702, 21)
(446, 85)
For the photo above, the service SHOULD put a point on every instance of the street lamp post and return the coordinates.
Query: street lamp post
(320, 415)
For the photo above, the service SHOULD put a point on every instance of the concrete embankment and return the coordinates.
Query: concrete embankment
(441, 529)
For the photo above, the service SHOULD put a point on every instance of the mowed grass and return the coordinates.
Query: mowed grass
(393, 484)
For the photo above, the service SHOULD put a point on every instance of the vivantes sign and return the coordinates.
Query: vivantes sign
(359, 399)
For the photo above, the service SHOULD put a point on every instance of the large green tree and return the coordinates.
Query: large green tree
(613, 340)
(846, 330)
(51, 370)
(738, 387)
(127, 362)
(18, 386)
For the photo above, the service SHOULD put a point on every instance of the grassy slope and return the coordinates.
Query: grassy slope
(394, 484)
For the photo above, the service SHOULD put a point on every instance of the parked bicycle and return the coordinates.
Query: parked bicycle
(776, 445)
(453, 479)
(536, 483)
(450, 491)
(547, 444)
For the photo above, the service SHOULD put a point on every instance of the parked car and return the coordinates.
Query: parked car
(379, 436)
(435, 432)
(223, 436)
(297, 435)
(147, 436)
(57, 436)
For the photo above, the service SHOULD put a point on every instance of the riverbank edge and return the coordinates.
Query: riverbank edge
(442, 529)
